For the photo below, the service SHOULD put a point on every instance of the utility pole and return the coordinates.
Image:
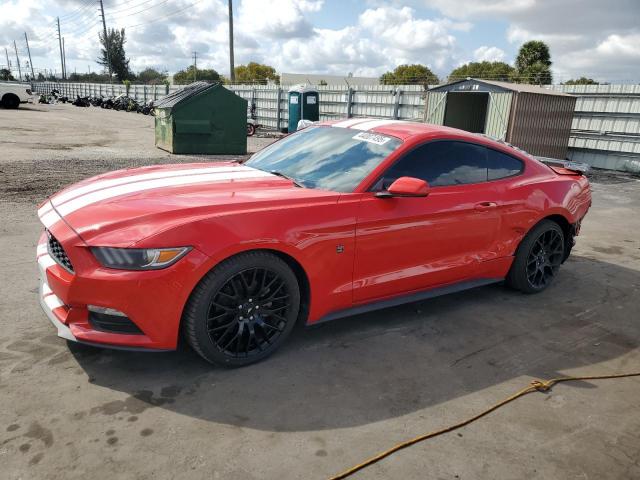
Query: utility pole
(60, 43)
(107, 43)
(64, 61)
(6, 52)
(29, 52)
(17, 60)
(232, 73)
(195, 66)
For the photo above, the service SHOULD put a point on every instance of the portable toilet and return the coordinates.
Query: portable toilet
(303, 105)
(202, 118)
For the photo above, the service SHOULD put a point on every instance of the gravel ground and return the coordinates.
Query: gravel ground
(335, 394)
(45, 147)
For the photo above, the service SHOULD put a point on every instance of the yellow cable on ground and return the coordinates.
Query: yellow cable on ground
(535, 386)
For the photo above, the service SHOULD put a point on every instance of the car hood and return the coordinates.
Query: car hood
(122, 207)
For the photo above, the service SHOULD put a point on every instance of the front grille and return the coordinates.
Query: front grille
(57, 252)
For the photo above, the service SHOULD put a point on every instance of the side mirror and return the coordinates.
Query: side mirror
(406, 187)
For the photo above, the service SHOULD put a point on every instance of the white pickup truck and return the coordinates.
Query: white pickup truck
(13, 94)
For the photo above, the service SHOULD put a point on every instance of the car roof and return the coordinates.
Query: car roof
(406, 130)
(397, 128)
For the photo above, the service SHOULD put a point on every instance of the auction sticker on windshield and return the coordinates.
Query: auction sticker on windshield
(372, 138)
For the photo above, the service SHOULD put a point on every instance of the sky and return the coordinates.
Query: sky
(595, 38)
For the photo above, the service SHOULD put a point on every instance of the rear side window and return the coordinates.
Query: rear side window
(501, 165)
(440, 163)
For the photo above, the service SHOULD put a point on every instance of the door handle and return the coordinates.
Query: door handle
(484, 206)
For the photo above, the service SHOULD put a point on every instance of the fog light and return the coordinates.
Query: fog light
(105, 311)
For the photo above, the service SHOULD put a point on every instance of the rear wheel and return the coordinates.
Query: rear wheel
(243, 310)
(10, 101)
(538, 258)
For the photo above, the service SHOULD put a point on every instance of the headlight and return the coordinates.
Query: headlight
(138, 258)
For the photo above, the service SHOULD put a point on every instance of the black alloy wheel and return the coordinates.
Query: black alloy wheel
(538, 258)
(249, 312)
(243, 310)
(544, 259)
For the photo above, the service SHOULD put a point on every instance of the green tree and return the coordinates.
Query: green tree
(186, 76)
(582, 81)
(151, 76)
(89, 77)
(536, 74)
(533, 63)
(531, 53)
(254, 72)
(410, 75)
(114, 43)
(5, 74)
(487, 70)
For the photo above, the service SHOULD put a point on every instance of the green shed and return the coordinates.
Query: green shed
(303, 105)
(202, 118)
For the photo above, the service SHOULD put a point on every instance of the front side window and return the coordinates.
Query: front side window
(328, 158)
(440, 163)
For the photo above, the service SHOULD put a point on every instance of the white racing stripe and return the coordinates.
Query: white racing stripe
(49, 218)
(135, 187)
(52, 302)
(375, 123)
(113, 182)
(349, 123)
(46, 290)
(41, 249)
(45, 261)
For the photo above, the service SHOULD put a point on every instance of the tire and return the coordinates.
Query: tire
(538, 258)
(251, 130)
(224, 319)
(10, 101)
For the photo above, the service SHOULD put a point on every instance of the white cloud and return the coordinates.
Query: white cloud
(488, 54)
(586, 37)
(277, 19)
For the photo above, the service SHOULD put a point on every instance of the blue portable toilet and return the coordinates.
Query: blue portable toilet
(303, 105)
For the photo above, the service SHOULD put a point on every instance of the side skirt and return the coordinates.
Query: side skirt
(409, 298)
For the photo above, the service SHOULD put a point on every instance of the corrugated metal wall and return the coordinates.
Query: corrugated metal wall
(435, 108)
(605, 128)
(498, 114)
(541, 124)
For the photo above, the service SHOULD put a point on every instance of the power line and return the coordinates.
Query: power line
(165, 16)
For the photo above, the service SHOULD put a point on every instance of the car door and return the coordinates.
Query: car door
(406, 244)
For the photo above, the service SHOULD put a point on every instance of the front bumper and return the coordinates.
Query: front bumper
(152, 300)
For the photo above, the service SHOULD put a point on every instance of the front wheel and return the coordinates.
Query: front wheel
(251, 130)
(538, 258)
(242, 310)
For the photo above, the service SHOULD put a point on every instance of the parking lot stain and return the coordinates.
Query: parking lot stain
(13, 427)
(321, 453)
(136, 404)
(38, 432)
(132, 418)
(112, 440)
(36, 458)
(24, 448)
(146, 432)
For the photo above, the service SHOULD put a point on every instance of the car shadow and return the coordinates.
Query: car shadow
(386, 364)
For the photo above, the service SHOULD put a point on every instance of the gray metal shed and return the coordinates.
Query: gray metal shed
(535, 119)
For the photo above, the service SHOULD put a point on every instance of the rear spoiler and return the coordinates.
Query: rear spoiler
(565, 167)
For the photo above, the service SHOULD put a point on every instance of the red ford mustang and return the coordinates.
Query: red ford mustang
(339, 218)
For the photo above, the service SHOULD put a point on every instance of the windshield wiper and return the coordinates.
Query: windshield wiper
(284, 175)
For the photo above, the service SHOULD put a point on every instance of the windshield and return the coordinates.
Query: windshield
(328, 158)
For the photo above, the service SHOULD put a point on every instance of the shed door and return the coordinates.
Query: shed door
(435, 107)
(498, 114)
